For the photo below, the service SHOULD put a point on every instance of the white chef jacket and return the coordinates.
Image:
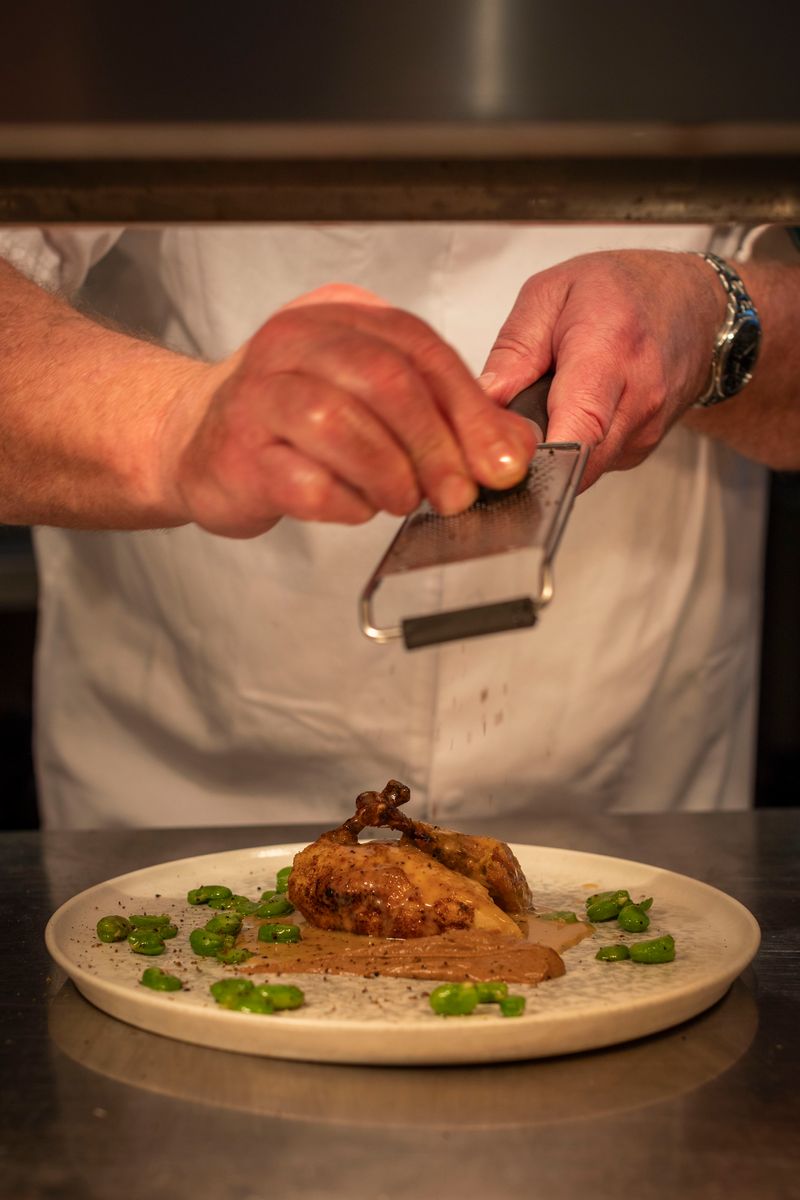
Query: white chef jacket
(184, 678)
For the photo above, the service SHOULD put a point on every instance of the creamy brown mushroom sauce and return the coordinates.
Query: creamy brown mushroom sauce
(456, 955)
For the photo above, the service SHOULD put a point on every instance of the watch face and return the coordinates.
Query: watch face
(741, 356)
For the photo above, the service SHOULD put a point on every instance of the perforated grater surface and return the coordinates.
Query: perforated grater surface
(528, 518)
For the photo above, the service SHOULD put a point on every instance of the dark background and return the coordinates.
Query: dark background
(17, 635)
(363, 60)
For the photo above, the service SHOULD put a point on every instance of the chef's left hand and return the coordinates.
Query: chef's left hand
(630, 334)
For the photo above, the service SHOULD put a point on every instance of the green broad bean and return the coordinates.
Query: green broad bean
(281, 995)
(224, 923)
(241, 995)
(602, 910)
(278, 906)
(113, 929)
(267, 895)
(148, 921)
(659, 950)
(207, 944)
(620, 895)
(209, 892)
(165, 932)
(616, 953)
(227, 991)
(160, 981)
(645, 905)
(633, 919)
(238, 904)
(604, 906)
(275, 932)
(282, 879)
(145, 941)
(461, 999)
(232, 958)
(512, 1006)
(454, 999)
(253, 1002)
(569, 918)
(491, 992)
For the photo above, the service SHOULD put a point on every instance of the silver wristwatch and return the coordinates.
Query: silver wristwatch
(737, 343)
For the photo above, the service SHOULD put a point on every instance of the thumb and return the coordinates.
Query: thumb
(523, 349)
(508, 371)
(583, 400)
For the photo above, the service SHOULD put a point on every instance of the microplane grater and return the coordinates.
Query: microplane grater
(529, 516)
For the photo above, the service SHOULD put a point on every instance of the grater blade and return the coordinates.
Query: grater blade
(529, 517)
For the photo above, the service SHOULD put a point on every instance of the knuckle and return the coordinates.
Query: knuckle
(434, 356)
(339, 293)
(287, 323)
(407, 324)
(511, 340)
(309, 494)
(422, 347)
(394, 374)
(326, 413)
(591, 425)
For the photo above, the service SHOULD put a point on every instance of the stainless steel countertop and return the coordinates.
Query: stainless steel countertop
(94, 1108)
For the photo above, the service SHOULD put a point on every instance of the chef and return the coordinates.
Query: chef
(213, 475)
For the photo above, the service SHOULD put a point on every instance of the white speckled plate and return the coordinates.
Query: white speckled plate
(388, 1021)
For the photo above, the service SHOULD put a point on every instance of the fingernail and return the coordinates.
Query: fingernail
(455, 493)
(486, 380)
(505, 462)
(538, 432)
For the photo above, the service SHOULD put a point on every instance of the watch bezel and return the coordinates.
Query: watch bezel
(731, 374)
(737, 345)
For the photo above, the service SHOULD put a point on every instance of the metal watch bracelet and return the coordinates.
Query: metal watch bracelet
(732, 361)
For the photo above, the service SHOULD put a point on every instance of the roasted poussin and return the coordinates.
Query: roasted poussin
(430, 881)
(484, 859)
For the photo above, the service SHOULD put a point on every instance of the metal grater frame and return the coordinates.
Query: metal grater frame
(531, 515)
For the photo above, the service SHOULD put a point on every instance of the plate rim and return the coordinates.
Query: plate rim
(446, 1033)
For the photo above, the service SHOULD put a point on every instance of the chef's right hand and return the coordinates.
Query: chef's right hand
(337, 408)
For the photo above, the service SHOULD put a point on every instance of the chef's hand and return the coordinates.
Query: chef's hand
(630, 334)
(339, 407)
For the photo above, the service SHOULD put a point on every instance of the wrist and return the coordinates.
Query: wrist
(708, 305)
(186, 402)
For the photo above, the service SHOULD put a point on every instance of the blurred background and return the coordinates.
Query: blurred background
(458, 109)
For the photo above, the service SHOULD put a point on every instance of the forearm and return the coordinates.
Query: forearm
(89, 418)
(763, 421)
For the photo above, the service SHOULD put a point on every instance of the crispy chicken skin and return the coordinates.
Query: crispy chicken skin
(430, 881)
(483, 859)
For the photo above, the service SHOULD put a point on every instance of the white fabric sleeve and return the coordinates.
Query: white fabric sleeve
(56, 258)
(746, 242)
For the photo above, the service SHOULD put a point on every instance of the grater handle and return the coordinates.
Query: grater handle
(531, 402)
(468, 622)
